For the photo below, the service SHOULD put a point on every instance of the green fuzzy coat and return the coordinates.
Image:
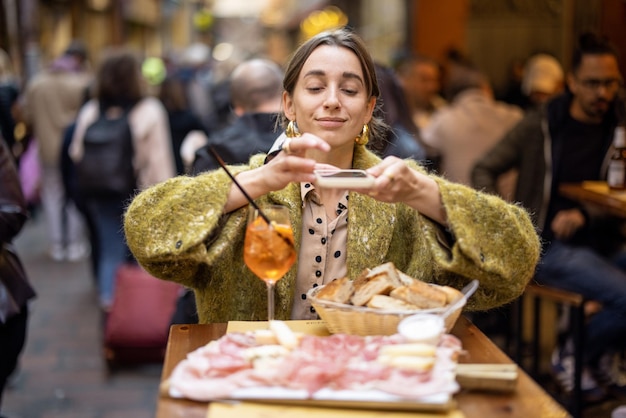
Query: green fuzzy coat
(176, 231)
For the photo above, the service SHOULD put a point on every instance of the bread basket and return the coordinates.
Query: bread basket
(360, 320)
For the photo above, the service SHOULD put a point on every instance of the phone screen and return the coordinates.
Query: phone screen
(346, 174)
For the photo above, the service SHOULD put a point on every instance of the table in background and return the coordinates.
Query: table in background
(529, 399)
(596, 195)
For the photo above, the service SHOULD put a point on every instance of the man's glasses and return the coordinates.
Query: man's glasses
(596, 83)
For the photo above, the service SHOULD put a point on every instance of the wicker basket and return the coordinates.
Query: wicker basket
(360, 320)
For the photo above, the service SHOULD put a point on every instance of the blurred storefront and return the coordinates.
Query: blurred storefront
(234, 29)
(492, 32)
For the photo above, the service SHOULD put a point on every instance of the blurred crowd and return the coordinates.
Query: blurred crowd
(444, 114)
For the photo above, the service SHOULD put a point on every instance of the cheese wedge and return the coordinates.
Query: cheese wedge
(285, 336)
(412, 349)
(408, 362)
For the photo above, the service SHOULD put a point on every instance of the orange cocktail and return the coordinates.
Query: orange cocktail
(269, 248)
(269, 251)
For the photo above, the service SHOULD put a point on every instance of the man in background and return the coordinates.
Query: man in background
(569, 141)
(256, 93)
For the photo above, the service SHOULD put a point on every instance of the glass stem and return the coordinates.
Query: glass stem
(270, 301)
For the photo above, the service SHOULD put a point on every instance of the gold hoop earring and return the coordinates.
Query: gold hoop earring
(292, 130)
(364, 137)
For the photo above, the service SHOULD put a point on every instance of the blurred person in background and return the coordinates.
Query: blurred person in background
(119, 87)
(53, 98)
(569, 141)
(469, 126)
(421, 80)
(181, 119)
(543, 79)
(15, 289)
(9, 93)
(403, 137)
(511, 92)
(195, 71)
(256, 93)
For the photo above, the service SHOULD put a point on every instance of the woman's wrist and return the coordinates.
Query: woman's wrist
(426, 198)
(252, 182)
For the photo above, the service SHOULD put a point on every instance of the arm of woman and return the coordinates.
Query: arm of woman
(470, 234)
(172, 227)
(490, 240)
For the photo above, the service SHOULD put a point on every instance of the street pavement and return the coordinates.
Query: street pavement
(62, 372)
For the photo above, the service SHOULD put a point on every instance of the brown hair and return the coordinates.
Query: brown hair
(344, 38)
(119, 80)
(172, 94)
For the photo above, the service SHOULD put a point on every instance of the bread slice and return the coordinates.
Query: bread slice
(390, 270)
(366, 288)
(451, 293)
(405, 279)
(421, 294)
(339, 290)
(388, 303)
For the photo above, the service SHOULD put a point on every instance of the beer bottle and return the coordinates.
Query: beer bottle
(616, 176)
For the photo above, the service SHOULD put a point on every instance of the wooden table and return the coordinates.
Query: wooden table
(596, 196)
(529, 400)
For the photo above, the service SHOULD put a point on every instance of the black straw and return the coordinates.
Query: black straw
(223, 165)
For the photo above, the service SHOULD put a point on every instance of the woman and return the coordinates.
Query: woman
(118, 88)
(15, 290)
(191, 230)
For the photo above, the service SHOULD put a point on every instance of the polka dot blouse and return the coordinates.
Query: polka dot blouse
(322, 255)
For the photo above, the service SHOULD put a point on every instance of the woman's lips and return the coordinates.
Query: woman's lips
(330, 123)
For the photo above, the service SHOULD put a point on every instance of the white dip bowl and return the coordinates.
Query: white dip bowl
(422, 328)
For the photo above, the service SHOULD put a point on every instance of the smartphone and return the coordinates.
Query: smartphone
(343, 179)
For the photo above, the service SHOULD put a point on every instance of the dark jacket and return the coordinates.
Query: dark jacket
(15, 289)
(528, 148)
(181, 123)
(8, 96)
(250, 134)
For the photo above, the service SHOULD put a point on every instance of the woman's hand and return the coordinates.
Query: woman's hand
(396, 182)
(289, 165)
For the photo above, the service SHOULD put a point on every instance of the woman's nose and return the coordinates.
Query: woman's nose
(332, 97)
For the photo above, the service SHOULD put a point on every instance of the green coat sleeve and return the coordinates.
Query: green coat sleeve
(491, 240)
(169, 227)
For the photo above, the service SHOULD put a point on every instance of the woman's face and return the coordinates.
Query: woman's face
(330, 98)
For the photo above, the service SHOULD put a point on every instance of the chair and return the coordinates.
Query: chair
(576, 303)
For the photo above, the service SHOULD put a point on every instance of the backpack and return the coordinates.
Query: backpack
(106, 169)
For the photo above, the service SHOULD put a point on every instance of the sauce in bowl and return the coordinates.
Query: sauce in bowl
(422, 328)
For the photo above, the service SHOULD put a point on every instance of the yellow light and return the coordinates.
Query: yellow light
(321, 20)
(203, 20)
